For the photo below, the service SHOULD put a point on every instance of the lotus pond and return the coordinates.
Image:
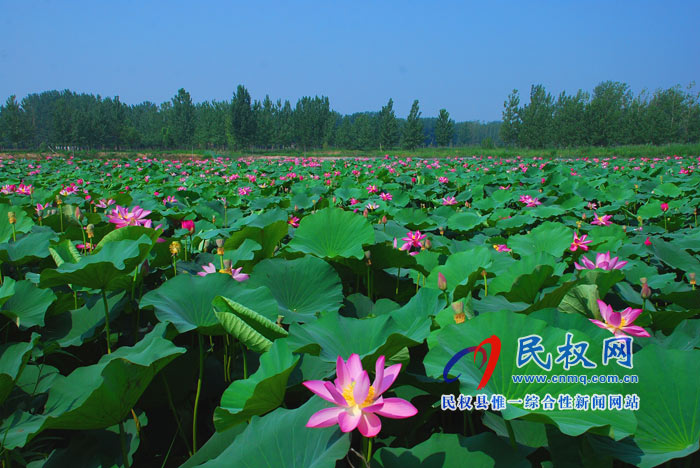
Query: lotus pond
(388, 312)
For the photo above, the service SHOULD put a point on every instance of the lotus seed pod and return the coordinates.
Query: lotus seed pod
(646, 291)
(460, 317)
(691, 278)
(219, 243)
(227, 264)
(458, 307)
(11, 217)
(207, 243)
(175, 248)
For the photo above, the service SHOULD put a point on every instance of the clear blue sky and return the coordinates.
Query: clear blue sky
(464, 56)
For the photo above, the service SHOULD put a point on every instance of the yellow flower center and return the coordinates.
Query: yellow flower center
(350, 398)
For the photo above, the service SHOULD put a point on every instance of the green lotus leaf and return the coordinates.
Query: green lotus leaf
(24, 222)
(465, 221)
(302, 287)
(13, 358)
(441, 450)
(268, 442)
(262, 392)
(675, 257)
(446, 342)
(685, 336)
(28, 305)
(104, 269)
(186, 301)
(133, 233)
(549, 237)
(462, 270)
(527, 433)
(7, 290)
(333, 233)
(668, 190)
(255, 331)
(29, 247)
(525, 279)
(267, 237)
(64, 252)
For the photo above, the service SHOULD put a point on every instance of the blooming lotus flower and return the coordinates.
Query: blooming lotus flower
(620, 323)
(40, 208)
(207, 270)
(372, 189)
(501, 248)
(504, 187)
(244, 191)
(169, 199)
(664, 207)
(122, 217)
(580, 243)
(602, 220)
(529, 201)
(385, 196)
(371, 206)
(443, 180)
(647, 242)
(8, 189)
(353, 201)
(238, 276)
(413, 240)
(449, 201)
(602, 261)
(105, 203)
(357, 402)
(24, 189)
(293, 221)
(592, 206)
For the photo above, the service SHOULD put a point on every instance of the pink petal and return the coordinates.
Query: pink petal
(369, 425)
(599, 323)
(614, 319)
(589, 264)
(341, 370)
(348, 421)
(397, 408)
(325, 417)
(378, 372)
(605, 310)
(630, 315)
(634, 330)
(337, 396)
(319, 388)
(361, 388)
(354, 367)
(390, 374)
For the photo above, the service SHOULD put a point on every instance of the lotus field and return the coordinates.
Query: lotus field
(389, 312)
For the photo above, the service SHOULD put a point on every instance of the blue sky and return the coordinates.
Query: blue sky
(464, 56)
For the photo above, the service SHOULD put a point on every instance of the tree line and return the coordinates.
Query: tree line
(53, 119)
(611, 115)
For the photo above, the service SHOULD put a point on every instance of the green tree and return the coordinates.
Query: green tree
(606, 113)
(569, 114)
(388, 127)
(183, 119)
(536, 119)
(444, 128)
(14, 126)
(243, 121)
(413, 129)
(510, 129)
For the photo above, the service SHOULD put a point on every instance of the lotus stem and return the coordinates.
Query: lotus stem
(75, 299)
(511, 433)
(60, 211)
(106, 304)
(174, 411)
(398, 276)
(369, 449)
(199, 390)
(471, 423)
(174, 268)
(122, 439)
(14, 233)
(245, 362)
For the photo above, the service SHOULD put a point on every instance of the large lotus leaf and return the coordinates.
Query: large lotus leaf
(268, 237)
(64, 252)
(441, 450)
(7, 290)
(13, 358)
(302, 287)
(685, 336)
(28, 305)
(607, 238)
(126, 233)
(549, 237)
(525, 279)
(24, 222)
(262, 220)
(333, 233)
(603, 279)
(675, 257)
(508, 327)
(462, 269)
(100, 395)
(255, 331)
(269, 442)
(261, 392)
(98, 448)
(186, 301)
(74, 327)
(527, 433)
(371, 337)
(669, 415)
(465, 221)
(668, 190)
(104, 269)
(29, 247)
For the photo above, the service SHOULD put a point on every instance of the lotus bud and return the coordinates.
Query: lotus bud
(11, 217)
(213, 219)
(691, 279)
(583, 216)
(442, 230)
(579, 223)
(207, 243)
(624, 228)
(90, 229)
(368, 256)
(383, 220)
(58, 200)
(78, 214)
(467, 204)
(296, 208)
(646, 291)
(364, 213)
(175, 248)
(427, 244)
(442, 282)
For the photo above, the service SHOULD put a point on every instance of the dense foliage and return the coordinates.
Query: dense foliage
(174, 313)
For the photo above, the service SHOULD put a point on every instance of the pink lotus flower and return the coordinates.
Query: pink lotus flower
(188, 224)
(169, 199)
(105, 203)
(580, 243)
(620, 323)
(504, 187)
(602, 220)
(238, 276)
(592, 206)
(293, 221)
(443, 180)
(24, 189)
(353, 201)
(122, 217)
(244, 191)
(529, 201)
(371, 206)
(413, 240)
(447, 201)
(602, 261)
(357, 402)
(501, 248)
(647, 242)
(40, 208)
(385, 196)
(372, 189)
(8, 189)
(207, 270)
(664, 207)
